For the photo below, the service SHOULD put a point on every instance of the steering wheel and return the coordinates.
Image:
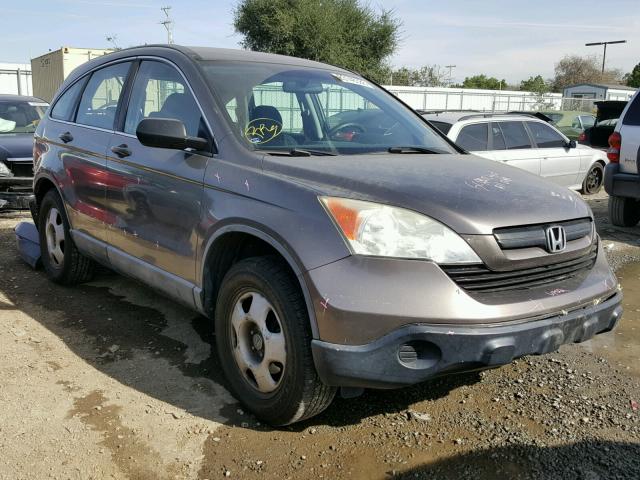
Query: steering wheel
(345, 131)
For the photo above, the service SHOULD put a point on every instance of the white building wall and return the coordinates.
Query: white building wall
(15, 79)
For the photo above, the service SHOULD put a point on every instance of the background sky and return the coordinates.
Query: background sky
(506, 39)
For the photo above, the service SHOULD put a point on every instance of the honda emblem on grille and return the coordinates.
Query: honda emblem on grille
(556, 239)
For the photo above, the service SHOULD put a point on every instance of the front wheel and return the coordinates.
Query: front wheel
(593, 181)
(264, 343)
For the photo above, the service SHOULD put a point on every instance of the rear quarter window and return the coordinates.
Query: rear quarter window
(442, 126)
(64, 108)
(632, 117)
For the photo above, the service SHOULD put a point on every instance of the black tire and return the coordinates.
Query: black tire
(74, 267)
(623, 211)
(594, 180)
(300, 393)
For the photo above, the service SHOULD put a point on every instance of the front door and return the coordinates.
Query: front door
(558, 163)
(157, 202)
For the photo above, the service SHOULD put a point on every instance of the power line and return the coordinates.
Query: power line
(168, 24)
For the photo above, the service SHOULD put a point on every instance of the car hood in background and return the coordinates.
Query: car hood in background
(16, 145)
(469, 194)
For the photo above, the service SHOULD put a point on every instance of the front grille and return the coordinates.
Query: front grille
(479, 278)
(21, 169)
(534, 235)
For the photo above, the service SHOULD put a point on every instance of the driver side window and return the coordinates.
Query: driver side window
(99, 101)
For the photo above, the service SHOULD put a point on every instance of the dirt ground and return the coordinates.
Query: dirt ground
(111, 380)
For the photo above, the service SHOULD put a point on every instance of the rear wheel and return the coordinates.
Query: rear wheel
(593, 181)
(62, 261)
(624, 211)
(264, 343)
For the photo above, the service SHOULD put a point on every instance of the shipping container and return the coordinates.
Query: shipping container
(49, 70)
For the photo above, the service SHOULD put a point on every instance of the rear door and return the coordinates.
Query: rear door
(558, 162)
(157, 202)
(509, 143)
(82, 127)
(630, 133)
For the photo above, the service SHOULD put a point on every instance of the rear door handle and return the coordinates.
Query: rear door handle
(66, 137)
(121, 150)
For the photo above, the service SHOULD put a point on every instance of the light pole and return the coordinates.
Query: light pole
(450, 67)
(604, 54)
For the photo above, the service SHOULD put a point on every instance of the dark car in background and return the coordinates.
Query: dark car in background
(364, 251)
(19, 117)
(570, 123)
(607, 115)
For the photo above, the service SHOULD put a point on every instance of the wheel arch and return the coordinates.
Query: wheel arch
(235, 241)
(40, 188)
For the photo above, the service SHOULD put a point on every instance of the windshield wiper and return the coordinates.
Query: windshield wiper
(410, 149)
(297, 152)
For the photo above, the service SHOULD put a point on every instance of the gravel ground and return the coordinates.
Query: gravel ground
(111, 380)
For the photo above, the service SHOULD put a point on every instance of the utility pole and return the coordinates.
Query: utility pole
(450, 67)
(112, 39)
(168, 24)
(604, 54)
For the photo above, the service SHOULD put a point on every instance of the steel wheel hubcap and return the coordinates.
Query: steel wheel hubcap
(258, 342)
(594, 179)
(54, 232)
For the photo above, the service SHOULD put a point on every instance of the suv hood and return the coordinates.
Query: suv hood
(467, 193)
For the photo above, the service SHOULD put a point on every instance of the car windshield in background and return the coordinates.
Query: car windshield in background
(555, 117)
(294, 110)
(20, 116)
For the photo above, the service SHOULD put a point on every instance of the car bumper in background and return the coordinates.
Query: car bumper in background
(415, 353)
(15, 192)
(620, 184)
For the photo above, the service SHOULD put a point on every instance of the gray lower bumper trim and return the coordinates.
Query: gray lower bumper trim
(416, 353)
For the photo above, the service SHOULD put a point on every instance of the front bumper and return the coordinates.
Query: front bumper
(16, 192)
(621, 184)
(414, 353)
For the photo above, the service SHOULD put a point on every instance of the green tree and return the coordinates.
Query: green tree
(535, 84)
(633, 78)
(484, 82)
(345, 33)
(426, 76)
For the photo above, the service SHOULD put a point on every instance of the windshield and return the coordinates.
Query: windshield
(20, 116)
(283, 108)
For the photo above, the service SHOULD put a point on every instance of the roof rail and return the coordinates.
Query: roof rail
(539, 115)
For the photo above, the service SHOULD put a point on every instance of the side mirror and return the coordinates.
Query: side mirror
(571, 144)
(168, 133)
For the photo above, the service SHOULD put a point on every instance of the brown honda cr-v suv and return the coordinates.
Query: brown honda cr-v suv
(330, 247)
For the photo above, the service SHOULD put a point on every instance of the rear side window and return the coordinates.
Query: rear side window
(632, 117)
(497, 139)
(515, 135)
(159, 91)
(474, 137)
(99, 101)
(545, 136)
(65, 106)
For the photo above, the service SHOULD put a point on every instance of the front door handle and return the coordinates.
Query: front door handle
(66, 137)
(121, 150)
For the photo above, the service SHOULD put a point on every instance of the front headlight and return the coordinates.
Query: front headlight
(381, 230)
